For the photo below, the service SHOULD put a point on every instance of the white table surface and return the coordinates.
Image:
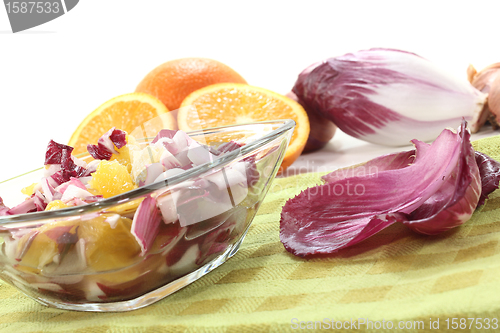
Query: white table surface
(53, 75)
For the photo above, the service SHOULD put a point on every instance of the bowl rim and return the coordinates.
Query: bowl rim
(286, 125)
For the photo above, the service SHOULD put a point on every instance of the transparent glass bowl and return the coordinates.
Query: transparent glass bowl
(84, 257)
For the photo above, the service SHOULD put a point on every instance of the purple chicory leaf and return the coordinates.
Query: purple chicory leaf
(455, 201)
(70, 169)
(489, 170)
(25, 243)
(105, 142)
(146, 223)
(169, 161)
(118, 292)
(47, 188)
(227, 147)
(348, 209)
(164, 133)
(27, 206)
(3, 209)
(73, 191)
(153, 171)
(169, 173)
(99, 153)
(73, 181)
(105, 147)
(173, 141)
(68, 165)
(199, 154)
(118, 137)
(387, 96)
(39, 201)
(373, 167)
(56, 153)
(167, 208)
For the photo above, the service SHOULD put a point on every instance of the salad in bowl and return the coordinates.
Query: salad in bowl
(133, 221)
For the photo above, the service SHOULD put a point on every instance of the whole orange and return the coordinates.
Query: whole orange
(172, 81)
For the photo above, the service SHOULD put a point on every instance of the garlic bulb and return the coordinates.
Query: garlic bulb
(488, 81)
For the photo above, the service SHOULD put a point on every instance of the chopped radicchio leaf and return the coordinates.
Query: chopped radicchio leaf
(118, 137)
(57, 153)
(489, 169)
(60, 154)
(3, 209)
(27, 206)
(227, 147)
(99, 153)
(40, 201)
(146, 223)
(110, 292)
(105, 147)
(164, 133)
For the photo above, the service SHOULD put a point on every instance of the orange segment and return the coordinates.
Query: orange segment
(56, 204)
(233, 103)
(43, 248)
(123, 156)
(136, 111)
(107, 246)
(111, 178)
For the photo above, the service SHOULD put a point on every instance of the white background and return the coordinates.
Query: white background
(53, 75)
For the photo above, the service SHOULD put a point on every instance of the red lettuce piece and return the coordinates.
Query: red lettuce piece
(351, 208)
(24, 246)
(164, 133)
(106, 144)
(146, 224)
(117, 292)
(3, 209)
(177, 252)
(27, 206)
(40, 201)
(215, 242)
(227, 147)
(490, 175)
(56, 153)
(383, 163)
(118, 137)
(455, 201)
(99, 153)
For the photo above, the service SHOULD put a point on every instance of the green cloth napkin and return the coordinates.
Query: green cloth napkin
(395, 278)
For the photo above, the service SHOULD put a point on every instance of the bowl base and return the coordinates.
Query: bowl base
(152, 296)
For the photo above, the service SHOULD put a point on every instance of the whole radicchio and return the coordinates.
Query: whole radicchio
(430, 189)
(387, 96)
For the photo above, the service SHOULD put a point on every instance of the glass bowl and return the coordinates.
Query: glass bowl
(85, 258)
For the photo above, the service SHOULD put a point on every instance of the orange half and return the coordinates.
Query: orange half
(139, 114)
(234, 103)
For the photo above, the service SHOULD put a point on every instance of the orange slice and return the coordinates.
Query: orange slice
(139, 114)
(234, 103)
